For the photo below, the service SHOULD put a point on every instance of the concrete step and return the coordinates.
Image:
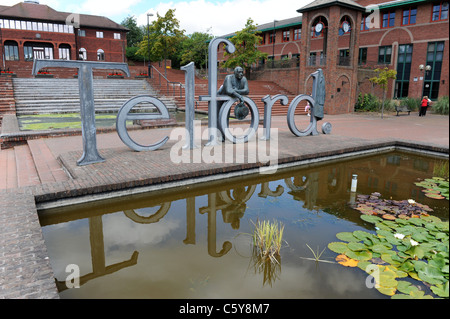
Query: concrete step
(27, 174)
(48, 168)
(34, 96)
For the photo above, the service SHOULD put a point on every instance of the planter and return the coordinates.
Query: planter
(115, 77)
(12, 75)
(44, 76)
(141, 77)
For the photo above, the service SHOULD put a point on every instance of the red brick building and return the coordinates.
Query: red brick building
(30, 30)
(348, 39)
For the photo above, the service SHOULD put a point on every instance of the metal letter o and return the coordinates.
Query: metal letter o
(224, 125)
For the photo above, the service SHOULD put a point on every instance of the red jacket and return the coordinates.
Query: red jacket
(424, 102)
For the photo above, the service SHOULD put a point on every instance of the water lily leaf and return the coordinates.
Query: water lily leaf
(345, 261)
(389, 217)
(441, 290)
(359, 255)
(371, 219)
(379, 248)
(434, 196)
(361, 235)
(389, 259)
(407, 267)
(347, 236)
(419, 295)
(363, 265)
(338, 247)
(388, 291)
(431, 275)
(356, 246)
(406, 287)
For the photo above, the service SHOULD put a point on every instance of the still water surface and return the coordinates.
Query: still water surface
(194, 242)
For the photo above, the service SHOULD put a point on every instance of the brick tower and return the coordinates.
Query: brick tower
(331, 31)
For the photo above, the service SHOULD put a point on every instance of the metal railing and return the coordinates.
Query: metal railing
(169, 83)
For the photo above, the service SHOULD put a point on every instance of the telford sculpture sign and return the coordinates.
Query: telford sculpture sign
(234, 90)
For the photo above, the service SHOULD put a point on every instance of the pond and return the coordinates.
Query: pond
(194, 242)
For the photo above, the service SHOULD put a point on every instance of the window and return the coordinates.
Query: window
(117, 36)
(81, 33)
(388, 19)
(297, 34)
(362, 58)
(344, 57)
(11, 50)
(286, 35)
(384, 55)
(100, 55)
(312, 58)
(263, 39)
(64, 52)
(409, 16)
(272, 38)
(99, 34)
(82, 54)
(440, 12)
(296, 56)
(403, 70)
(435, 54)
(28, 52)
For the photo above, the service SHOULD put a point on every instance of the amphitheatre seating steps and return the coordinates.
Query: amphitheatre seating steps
(42, 96)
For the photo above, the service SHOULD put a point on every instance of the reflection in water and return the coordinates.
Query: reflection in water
(312, 202)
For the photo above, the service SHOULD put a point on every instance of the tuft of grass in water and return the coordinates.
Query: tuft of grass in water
(268, 239)
(441, 169)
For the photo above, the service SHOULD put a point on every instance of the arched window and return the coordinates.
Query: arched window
(11, 51)
(100, 55)
(318, 45)
(82, 54)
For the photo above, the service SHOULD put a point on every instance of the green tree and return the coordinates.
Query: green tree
(164, 37)
(135, 35)
(246, 42)
(195, 49)
(382, 79)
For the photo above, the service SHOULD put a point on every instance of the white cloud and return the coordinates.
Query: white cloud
(226, 17)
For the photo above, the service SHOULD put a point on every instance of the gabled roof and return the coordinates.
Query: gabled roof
(33, 11)
(318, 4)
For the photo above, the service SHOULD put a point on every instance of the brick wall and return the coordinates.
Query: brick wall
(7, 102)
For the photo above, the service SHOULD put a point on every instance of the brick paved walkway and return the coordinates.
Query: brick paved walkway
(52, 174)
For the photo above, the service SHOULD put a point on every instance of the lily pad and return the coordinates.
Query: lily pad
(338, 247)
(356, 246)
(347, 236)
(345, 261)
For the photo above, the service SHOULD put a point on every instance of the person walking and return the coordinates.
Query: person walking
(424, 105)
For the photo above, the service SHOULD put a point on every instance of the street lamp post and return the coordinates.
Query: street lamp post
(273, 44)
(148, 43)
(427, 69)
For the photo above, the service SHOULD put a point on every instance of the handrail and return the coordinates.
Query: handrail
(168, 82)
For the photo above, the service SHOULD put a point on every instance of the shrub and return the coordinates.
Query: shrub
(412, 103)
(367, 103)
(441, 106)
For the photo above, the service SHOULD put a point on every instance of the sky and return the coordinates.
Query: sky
(213, 16)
